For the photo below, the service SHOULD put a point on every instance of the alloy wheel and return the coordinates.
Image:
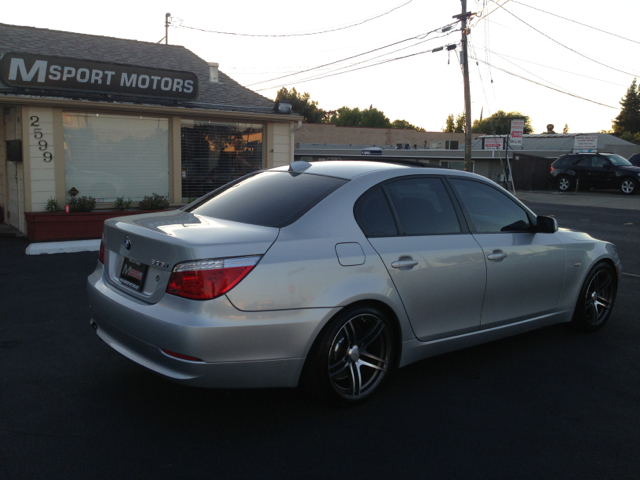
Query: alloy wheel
(599, 297)
(359, 356)
(627, 186)
(563, 184)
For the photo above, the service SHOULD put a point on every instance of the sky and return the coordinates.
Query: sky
(423, 88)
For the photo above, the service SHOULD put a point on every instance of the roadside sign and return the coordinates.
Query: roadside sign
(585, 143)
(493, 143)
(515, 137)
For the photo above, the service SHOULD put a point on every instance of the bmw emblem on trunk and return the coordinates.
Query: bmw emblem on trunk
(127, 243)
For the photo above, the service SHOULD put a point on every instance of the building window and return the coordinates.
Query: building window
(215, 153)
(456, 164)
(109, 156)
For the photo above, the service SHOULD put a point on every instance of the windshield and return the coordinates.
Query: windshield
(618, 160)
(269, 199)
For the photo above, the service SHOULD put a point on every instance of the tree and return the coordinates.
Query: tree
(628, 120)
(403, 124)
(566, 128)
(499, 123)
(374, 118)
(302, 105)
(354, 117)
(460, 123)
(449, 125)
(346, 117)
(631, 137)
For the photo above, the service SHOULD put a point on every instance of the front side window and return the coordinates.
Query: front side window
(490, 210)
(110, 156)
(216, 153)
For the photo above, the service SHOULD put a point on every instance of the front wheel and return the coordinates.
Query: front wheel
(596, 299)
(352, 357)
(629, 186)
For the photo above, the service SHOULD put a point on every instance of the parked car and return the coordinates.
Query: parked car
(332, 274)
(594, 170)
(635, 160)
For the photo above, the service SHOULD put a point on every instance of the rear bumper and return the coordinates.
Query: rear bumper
(238, 349)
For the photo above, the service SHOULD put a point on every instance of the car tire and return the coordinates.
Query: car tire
(628, 186)
(597, 296)
(564, 183)
(352, 356)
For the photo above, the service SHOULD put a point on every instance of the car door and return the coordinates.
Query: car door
(434, 262)
(583, 168)
(525, 269)
(603, 174)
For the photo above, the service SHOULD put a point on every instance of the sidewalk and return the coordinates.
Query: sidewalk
(600, 199)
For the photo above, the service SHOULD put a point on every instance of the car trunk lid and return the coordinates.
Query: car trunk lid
(142, 250)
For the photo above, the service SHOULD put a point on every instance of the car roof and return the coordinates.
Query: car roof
(349, 169)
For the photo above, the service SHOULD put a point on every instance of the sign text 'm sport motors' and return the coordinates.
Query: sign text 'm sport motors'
(26, 70)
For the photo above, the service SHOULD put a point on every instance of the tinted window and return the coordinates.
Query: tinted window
(599, 161)
(491, 211)
(270, 199)
(423, 206)
(618, 160)
(374, 215)
(563, 161)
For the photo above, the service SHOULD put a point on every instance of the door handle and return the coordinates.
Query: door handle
(497, 256)
(405, 263)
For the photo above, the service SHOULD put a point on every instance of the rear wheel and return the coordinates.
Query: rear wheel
(564, 183)
(352, 357)
(629, 186)
(596, 299)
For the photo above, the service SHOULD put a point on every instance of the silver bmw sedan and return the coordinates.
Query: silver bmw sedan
(332, 274)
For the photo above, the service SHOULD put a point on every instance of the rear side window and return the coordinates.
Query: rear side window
(564, 161)
(269, 199)
(374, 215)
(490, 210)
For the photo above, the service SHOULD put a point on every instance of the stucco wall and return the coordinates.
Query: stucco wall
(331, 134)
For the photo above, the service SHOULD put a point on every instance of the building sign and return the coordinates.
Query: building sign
(493, 143)
(25, 70)
(585, 143)
(515, 137)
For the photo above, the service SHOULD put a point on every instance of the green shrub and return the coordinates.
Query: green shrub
(154, 202)
(122, 204)
(82, 204)
(51, 206)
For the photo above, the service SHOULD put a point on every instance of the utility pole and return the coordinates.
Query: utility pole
(166, 28)
(464, 16)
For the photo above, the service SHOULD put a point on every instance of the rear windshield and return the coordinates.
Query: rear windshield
(269, 199)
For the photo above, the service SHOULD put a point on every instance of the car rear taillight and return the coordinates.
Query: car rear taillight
(101, 254)
(552, 169)
(207, 279)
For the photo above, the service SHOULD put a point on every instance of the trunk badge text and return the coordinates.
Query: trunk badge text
(127, 243)
(158, 263)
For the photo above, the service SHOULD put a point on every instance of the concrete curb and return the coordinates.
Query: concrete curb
(63, 247)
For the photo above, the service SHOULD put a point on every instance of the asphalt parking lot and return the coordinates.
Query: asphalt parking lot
(547, 404)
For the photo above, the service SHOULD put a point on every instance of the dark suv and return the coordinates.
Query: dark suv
(594, 170)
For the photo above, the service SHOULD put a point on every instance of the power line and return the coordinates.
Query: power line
(502, 55)
(437, 49)
(564, 46)
(546, 86)
(298, 34)
(575, 21)
(419, 37)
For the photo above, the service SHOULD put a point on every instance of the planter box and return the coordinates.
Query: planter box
(44, 227)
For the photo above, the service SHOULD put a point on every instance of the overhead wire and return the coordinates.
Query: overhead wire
(547, 86)
(575, 21)
(437, 49)
(297, 34)
(563, 45)
(416, 37)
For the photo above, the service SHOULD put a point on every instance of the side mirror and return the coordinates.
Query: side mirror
(547, 225)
